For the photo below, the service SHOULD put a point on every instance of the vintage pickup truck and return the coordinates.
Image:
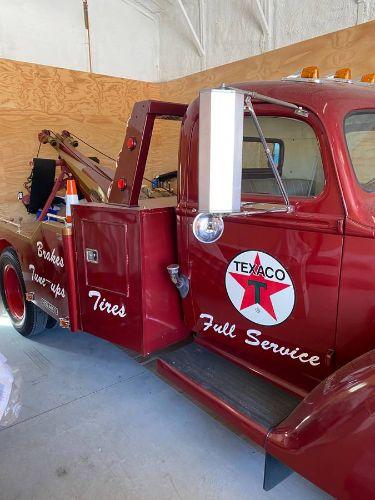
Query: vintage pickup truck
(258, 276)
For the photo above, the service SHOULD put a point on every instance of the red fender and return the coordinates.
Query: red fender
(4, 244)
(330, 437)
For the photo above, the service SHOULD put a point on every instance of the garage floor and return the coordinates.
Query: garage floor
(95, 424)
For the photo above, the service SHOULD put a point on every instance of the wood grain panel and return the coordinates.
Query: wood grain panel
(96, 107)
(33, 97)
(351, 47)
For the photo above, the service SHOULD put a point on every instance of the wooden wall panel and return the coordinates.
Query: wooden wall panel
(96, 107)
(33, 97)
(351, 47)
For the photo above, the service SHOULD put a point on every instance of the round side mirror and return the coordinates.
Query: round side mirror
(208, 228)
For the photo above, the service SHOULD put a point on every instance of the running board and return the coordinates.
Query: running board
(249, 403)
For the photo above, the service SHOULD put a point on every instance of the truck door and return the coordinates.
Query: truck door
(267, 291)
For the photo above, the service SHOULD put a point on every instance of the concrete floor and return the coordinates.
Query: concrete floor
(95, 424)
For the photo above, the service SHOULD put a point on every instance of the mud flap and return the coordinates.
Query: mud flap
(274, 472)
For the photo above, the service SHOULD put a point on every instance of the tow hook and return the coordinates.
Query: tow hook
(179, 280)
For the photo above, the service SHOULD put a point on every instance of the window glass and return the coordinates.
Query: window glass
(295, 151)
(360, 137)
(255, 163)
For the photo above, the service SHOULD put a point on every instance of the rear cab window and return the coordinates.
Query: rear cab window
(295, 150)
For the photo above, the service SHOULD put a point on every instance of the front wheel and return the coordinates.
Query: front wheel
(25, 316)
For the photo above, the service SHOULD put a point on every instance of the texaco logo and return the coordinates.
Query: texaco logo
(260, 288)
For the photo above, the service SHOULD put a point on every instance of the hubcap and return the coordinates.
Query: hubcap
(13, 293)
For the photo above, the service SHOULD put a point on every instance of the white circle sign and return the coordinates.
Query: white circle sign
(260, 288)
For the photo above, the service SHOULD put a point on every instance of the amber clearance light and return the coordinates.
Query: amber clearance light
(344, 74)
(368, 78)
(310, 72)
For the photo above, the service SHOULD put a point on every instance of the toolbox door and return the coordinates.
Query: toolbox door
(108, 273)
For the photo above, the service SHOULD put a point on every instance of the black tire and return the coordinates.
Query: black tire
(32, 320)
(51, 323)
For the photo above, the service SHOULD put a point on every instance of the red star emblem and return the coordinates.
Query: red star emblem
(258, 289)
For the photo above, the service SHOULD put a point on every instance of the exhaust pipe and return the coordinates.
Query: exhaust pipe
(179, 280)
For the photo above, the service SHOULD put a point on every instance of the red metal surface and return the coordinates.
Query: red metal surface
(13, 292)
(330, 437)
(356, 313)
(307, 242)
(132, 161)
(71, 279)
(51, 294)
(250, 429)
(134, 248)
(38, 253)
(162, 311)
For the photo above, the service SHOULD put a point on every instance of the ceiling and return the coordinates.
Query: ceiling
(151, 6)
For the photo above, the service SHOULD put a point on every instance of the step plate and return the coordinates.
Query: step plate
(253, 397)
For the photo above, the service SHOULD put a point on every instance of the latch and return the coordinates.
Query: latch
(330, 357)
(92, 256)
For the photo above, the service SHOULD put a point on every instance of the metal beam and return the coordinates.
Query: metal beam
(192, 30)
(142, 10)
(263, 20)
(361, 11)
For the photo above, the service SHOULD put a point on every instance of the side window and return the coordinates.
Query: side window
(295, 151)
(360, 137)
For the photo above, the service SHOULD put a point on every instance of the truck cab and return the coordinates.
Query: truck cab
(294, 286)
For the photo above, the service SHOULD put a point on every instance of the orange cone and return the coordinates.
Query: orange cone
(71, 198)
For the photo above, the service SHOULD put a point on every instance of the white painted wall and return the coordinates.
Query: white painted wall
(124, 41)
(43, 31)
(150, 39)
(232, 29)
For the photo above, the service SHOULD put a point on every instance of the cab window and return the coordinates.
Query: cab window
(295, 151)
(360, 137)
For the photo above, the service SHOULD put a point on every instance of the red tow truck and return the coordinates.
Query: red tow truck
(258, 276)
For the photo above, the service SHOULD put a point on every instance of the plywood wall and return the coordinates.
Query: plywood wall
(351, 47)
(96, 107)
(33, 97)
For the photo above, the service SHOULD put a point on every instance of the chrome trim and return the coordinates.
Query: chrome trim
(284, 194)
(327, 79)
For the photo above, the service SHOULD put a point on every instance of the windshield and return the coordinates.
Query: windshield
(360, 138)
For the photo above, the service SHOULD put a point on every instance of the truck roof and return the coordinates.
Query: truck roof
(317, 96)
